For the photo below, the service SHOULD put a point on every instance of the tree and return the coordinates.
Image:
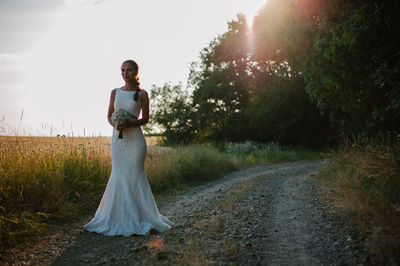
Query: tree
(352, 70)
(241, 95)
(172, 111)
(280, 109)
(221, 84)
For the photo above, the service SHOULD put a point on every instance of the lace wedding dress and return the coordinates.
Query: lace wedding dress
(128, 206)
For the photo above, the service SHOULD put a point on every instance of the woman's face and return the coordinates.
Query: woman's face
(128, 72)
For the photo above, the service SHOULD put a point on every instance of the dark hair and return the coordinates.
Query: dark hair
(136, 68)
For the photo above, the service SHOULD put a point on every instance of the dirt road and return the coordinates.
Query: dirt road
(266, 215)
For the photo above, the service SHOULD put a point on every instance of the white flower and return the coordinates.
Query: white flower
(120, 116)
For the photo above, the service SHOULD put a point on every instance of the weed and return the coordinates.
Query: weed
(364, 182)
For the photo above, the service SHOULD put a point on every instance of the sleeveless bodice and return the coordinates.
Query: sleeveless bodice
(124, 99)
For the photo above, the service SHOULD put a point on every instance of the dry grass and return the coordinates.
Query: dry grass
(192, 253)
(364, 182)
(57, 179)
(174, 168)
(47, 179)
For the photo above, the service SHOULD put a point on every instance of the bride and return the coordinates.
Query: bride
(128, 206)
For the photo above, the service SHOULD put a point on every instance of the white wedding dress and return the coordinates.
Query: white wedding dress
(128, 206)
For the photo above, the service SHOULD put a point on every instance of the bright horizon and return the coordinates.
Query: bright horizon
(60, 58)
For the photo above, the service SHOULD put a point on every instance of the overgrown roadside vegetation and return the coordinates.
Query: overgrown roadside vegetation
(363, 181)
(44, 181)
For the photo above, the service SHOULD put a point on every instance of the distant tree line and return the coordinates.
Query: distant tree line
(308, 72)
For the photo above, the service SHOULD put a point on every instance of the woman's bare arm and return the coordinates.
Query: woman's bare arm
(145, 110)
(111, 108)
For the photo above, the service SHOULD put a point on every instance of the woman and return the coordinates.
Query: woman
(128, 206)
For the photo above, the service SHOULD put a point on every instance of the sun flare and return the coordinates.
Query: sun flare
(75, 52)
(251, 10)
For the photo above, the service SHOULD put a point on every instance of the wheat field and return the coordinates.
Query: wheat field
(58, 179)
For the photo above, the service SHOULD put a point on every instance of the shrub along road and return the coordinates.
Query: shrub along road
(268, 215)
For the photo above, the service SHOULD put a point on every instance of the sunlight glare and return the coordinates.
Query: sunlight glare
(251, 9)
(69, 71)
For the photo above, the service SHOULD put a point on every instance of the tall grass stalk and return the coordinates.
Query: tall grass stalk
(47, 178)
(364, 182)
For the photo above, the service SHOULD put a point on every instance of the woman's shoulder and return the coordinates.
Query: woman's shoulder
(143, 94)
(113, 92)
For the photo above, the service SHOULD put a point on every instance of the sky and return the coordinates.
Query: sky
(60, 59)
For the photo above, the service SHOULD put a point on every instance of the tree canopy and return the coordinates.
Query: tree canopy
(307, 71)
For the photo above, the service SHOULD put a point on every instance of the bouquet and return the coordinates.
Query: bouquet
(119, 117)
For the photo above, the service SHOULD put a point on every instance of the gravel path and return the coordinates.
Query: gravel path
(266, 215)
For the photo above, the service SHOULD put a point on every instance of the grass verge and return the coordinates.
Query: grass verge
(254, 153)
(170, 169)
(364, 182)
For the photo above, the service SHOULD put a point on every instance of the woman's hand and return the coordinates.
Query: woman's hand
(132, 123)
(122, 127)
